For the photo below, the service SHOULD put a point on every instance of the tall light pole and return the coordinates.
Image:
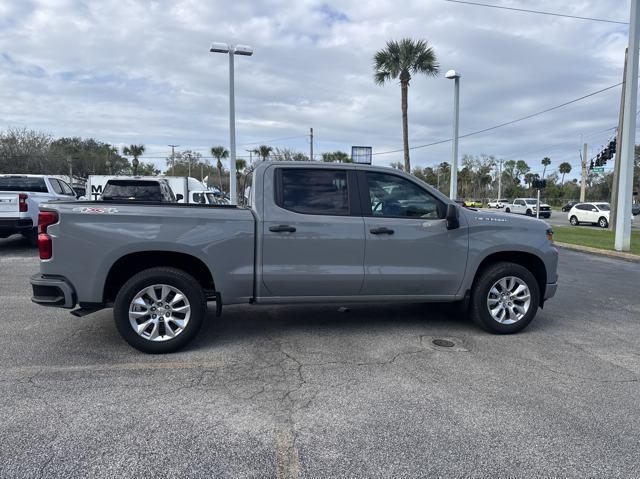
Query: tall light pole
(626, 149)
(453, 188)
(173, 159)
(232, 50)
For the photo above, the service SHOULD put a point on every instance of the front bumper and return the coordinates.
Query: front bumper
(9, 226)
(52, 291)
(550, 290)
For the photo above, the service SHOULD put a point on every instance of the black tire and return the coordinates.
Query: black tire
(163, 275)
(478, 308)
(507, 210)
(32, 237)
(574, 221)
(603, 223)
(529, 213)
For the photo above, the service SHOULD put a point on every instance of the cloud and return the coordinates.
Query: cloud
(125, 70)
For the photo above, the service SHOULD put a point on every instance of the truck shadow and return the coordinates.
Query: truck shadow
(17, 245)
(245, 323)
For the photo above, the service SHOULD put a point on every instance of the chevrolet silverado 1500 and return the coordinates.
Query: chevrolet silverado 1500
(311, 233)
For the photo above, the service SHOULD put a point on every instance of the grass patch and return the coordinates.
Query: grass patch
(593, 236)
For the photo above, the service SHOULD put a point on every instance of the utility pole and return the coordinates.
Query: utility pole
(70, 169)
(311, 144)
(499, 180)
(626, 149)
(616, 164)
(173, 159)
(583, 183)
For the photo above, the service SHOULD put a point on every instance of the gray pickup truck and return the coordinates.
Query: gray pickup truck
(311, 233)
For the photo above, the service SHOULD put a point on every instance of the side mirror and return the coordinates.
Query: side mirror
(452, 217)
(179, 197)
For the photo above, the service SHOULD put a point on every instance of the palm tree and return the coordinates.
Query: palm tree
(263, 151)
(219, 153)
(546, 161)
(399, 60)
(564, 168)
(135, 151)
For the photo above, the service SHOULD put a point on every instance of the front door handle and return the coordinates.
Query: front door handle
(381, 231)
(282, 229)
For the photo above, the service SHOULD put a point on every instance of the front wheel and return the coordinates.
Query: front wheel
(507, 210)
(505, 298)
(574, 221)
(603, 223)
(159, 310)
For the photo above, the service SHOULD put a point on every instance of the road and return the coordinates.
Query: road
(309, 391)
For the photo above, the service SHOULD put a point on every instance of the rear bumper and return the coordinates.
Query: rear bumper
(53, 291)
(9, 226)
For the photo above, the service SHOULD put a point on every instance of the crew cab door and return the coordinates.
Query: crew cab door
(313, 233)
(408, 249)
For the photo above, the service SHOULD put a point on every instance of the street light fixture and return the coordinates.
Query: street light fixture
(453, 188)
(232, 50)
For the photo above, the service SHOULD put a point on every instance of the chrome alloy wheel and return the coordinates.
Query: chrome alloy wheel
(159, 312)
(509, 300)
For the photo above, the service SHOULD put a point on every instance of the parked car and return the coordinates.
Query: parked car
(635, 209)
(20, 196)
(473, 203)
(570, 204)
(501, 203)
(594, 213)
(155, 190)
(527, 206)
(312, 233)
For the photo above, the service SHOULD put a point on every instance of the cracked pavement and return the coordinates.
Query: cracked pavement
(308, 391)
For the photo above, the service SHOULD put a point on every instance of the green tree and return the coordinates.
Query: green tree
(287, 154)
(263, 151)
(219, 153)
(135, 151)
(546, 161)
(336, 157)
(564, 168)
(397, 165)
(400, 60)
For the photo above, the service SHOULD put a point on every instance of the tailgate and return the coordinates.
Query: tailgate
(9, 207)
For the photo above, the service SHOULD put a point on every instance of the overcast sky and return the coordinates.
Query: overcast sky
(126, 71)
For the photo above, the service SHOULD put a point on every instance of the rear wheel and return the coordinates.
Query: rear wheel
(505, 298)
(159, 310)
(603, 223)
(507, 210)
(574, 221)
(529, 213)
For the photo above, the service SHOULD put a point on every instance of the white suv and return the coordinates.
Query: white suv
(595, 213)
(498, 203)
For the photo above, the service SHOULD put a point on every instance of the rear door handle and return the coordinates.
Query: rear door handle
(381, 231)
(282, 229)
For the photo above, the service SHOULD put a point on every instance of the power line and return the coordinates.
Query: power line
(495, 127)
(539, 12)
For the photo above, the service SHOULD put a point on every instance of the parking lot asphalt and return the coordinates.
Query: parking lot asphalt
(309, 391)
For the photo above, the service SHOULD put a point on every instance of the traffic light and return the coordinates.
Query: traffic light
(591, 167)
(612, 145)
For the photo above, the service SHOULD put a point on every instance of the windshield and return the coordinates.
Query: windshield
(603, 206)
(132, 191)
(22, 183)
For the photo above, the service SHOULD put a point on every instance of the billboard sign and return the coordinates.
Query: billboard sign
(361, 154)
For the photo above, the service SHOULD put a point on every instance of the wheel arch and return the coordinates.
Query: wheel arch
(130, 264)
(530, 261)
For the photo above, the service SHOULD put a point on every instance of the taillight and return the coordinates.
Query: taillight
(22, 203)
(45, 246)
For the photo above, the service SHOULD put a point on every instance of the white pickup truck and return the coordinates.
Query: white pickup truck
(527, 206)
(20, 196)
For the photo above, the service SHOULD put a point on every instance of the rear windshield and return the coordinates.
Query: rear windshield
(17, 183)
(132, 191)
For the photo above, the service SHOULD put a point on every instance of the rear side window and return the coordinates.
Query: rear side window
(132, 191)
(17, 183)
(313, 191)
(55, 184)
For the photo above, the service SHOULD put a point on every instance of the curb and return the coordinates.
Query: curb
(633, 258)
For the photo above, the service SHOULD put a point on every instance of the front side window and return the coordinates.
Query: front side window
(313, 191)
(393, 196)
(66, 189)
